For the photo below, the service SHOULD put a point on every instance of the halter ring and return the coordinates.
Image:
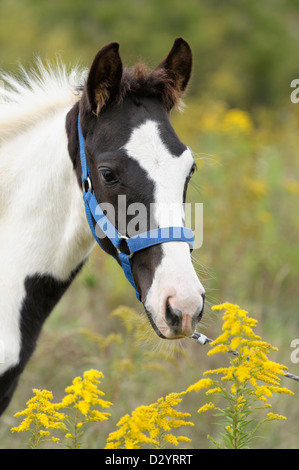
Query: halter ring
(123, 237)
(86, 185)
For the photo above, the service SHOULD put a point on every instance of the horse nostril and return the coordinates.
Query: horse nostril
(173, 316)
(182, 323)
(199, 312)
(203, 303)
(203, 306)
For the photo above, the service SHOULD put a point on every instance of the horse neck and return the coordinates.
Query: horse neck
(44, 236)
(43, 227)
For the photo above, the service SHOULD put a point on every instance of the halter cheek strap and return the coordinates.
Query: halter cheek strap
(139, 242)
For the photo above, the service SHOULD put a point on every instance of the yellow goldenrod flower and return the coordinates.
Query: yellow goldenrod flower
(236, 343)
(150, 425)
(41, 415)
(206, 407)
(243, 373)
(217, 349)
(253, 376)
(272, 416)
(214, 390)
(84, 395)
(83, 399)
(203, 383)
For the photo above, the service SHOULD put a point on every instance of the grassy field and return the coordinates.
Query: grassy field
(247, 179)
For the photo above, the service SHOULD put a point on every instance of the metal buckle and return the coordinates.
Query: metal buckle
(123, 237)
(88, 183)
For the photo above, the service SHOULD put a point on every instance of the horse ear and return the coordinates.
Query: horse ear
(178, 64)
(104, 77)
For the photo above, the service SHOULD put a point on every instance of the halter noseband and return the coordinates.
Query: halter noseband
(138, 242)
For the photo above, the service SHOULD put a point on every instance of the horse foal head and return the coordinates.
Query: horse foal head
(135, 157)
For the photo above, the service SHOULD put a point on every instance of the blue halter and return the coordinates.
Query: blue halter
(136, 243)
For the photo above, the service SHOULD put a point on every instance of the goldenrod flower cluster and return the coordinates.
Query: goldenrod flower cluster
(41, 415)
(79, 406)
(250, 376)
(84, 395)
(250, 364)
(151, 425)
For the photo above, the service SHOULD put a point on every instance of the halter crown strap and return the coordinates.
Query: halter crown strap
(136, 243)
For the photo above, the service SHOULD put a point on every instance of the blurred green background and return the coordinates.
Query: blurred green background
(243, 129)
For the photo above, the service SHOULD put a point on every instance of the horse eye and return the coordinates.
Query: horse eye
(108, 176)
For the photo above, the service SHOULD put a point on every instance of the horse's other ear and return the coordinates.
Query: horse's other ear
(178, 64)
(104, 77)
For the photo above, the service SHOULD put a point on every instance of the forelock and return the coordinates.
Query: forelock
(138, 82)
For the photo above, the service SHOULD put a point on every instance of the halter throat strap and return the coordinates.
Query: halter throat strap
(95, 216)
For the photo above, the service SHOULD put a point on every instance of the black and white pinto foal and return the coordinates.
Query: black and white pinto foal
(131, 149)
